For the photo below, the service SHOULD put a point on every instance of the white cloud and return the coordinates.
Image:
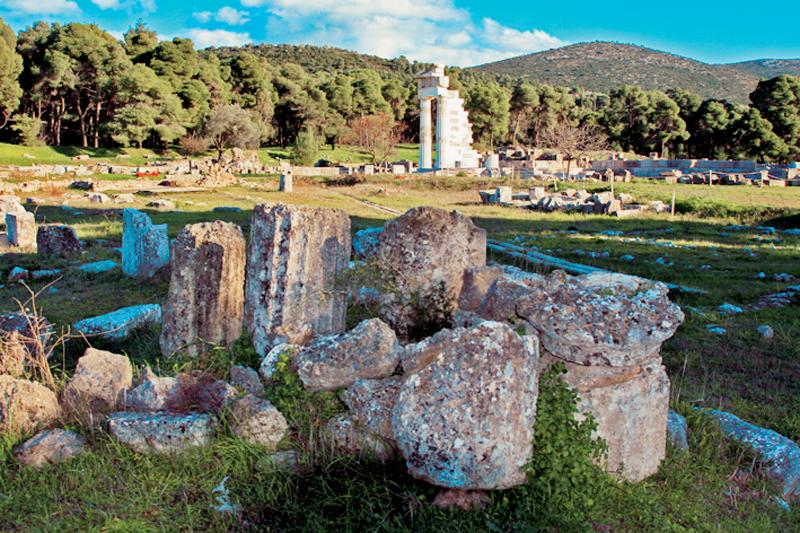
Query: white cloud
(232, 16)
(433, 30)
(203, 16)
(107, 4)
(146, 6)
(204, 38)
(42, 7)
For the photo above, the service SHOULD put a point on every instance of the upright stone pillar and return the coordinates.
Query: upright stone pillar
(425, 134)
(206, 289)
(294, 258)
(285, 184)
(145, 246)
(443, 148)
(21, 229)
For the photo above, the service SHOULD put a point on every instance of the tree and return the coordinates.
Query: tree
(573, 141)
(377, 134)
(10, 69)
(230, 126)
(666, 123)
(524, 100)
(778, 101)
(140, 42)
(305, 149)
(488, 107)
(752, 137)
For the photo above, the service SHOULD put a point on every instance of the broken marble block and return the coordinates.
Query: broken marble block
(21, 229)
(368, 351)
(26, 406)
(57, 240)
(205, 303)
(51, 446)
(424, 254)
(98, 267)
(371, 401)
(118, 324)
(465, 419)
(145, 246)
(295, 257)
(160, 432)
(257, 421)
(99, 383)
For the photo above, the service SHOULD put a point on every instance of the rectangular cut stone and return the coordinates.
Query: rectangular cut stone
(145, 246)
(21, 229)
(206, 289)
(294, 258)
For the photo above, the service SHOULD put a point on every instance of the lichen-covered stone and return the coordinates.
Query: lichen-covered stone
(26, 406)
(365, 242)
(21, 229)
(246, 379)
(368, 351)
(98, 267)
(475, 285)
(57, 240)
(162, 433)
(9, 204)
(601, 319)
(145, 247)
(118, 324)
(257, 421)
(780, 454)
(99, 383)
(465, 420)
(425, 253)
(295, 256)
(49, 447)
(677, 430)
(348, 437)
(630, 407)
(370, 402)
(205, 304)
(153, 392)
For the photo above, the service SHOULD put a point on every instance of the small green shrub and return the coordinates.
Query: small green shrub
(564, 476)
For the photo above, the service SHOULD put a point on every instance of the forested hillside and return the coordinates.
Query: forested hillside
(76, 84)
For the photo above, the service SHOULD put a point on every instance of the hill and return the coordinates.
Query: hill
(769, 68)
(602, 66)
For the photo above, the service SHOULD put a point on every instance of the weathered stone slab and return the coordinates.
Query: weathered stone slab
(153, 393)
(98, 267)
(465, 420)
(145, 247)
(677, 430)
(99, 383)
(295, 256)
(371, 401)
(26, 406)
(425, 253)
(21, 229)
(119, 324)
(368, 351)
(162, 433)
(205, 304)
(54, 239)
(257, 421)
(49, 447)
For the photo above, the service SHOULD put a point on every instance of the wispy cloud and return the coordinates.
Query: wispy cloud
(41, 7)
(227, 15)
(204, 38)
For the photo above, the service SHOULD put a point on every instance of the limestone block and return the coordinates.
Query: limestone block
(425, 252)
(160, 432)
(205, 303)
(25, 406)
(118, 324)
(465, 420)
(295, 257)
(51, 446)
(99, 383)
(145, 247)
(257, 421)
(21, 228)
(54, 239)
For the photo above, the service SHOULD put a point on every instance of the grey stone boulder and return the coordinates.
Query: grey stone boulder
(347, 436)
(365, 242)
(160, 432)
(51, 446)
(257, 421)
(371, 401)
(368, 351)
(26, 406)
(153, 393)
(119, 324)
(21, 229)
(246, 379)
(677, 430)
(465, 420)
(57, 240)
(99, 384)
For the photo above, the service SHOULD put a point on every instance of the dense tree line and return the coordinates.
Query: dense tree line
(77, 84)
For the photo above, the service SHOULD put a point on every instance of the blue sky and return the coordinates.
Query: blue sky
(454, 32)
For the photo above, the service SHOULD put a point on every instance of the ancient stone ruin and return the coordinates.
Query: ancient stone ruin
(145, 247)
(206, 291)
(295, 256)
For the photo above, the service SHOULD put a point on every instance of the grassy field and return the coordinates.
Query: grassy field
(714, 487)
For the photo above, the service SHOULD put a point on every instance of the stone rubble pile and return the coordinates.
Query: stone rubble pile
(577, 200)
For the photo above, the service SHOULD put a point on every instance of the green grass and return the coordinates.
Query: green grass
(13, 154)
(341, 154)
(712, 488)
